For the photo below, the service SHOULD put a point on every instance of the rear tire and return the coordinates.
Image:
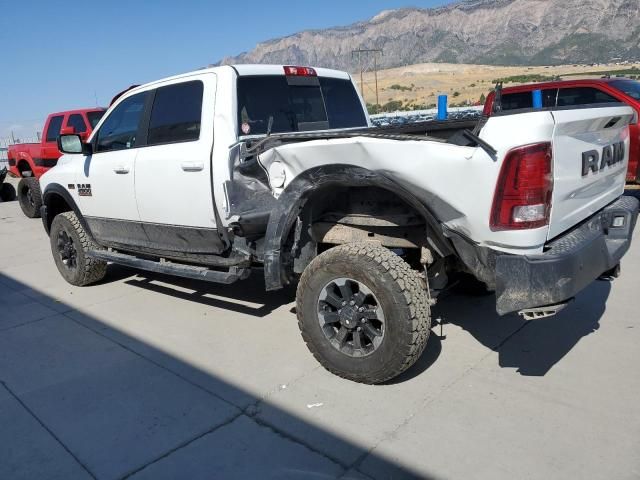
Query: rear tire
(363, 312)
(30, 197)
(7, 192)
(69, 246)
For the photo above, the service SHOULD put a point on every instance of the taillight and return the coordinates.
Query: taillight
(300, 71)
(523, 193)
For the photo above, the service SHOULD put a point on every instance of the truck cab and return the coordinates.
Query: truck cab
(154, 155)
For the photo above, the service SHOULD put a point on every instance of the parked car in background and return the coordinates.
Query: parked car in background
(30, 161)
(575, 93)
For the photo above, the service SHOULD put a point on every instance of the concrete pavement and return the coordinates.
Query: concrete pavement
(147, 376)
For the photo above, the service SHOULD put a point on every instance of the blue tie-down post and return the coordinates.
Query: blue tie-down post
(537, 99)
(442, 107)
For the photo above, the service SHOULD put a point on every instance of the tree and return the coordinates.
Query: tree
(373, 109)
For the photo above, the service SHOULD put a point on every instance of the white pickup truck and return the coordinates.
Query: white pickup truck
(218, 172)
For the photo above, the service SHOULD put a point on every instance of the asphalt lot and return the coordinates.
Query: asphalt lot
(146, 376)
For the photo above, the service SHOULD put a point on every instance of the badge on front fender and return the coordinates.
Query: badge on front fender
(84, 189)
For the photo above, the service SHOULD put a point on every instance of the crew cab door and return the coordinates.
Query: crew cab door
(173, 171)
(106, 185)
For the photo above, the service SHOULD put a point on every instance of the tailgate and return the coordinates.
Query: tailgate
(590, 156)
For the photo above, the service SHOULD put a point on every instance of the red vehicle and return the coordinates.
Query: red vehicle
(29, 161)
(572, 93)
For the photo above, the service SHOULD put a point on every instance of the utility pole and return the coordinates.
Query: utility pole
(364, 63)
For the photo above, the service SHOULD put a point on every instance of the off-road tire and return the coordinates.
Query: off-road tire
(87, 270)
(402, 295)
(30, 186)
(7, 192)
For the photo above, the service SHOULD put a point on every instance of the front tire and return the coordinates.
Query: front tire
(363, 312)
(69, 246)
(30, 197)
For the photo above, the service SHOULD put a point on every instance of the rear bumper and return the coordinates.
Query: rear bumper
(570, 262)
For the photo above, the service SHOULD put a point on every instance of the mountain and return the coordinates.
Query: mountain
(496, 32)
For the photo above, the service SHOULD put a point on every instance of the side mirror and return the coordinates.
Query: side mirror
(72, 143)
(67, 130)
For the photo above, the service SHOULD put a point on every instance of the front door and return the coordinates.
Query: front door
(106, 186)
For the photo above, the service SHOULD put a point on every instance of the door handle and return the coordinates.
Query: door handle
(192, 166)
(121, 169)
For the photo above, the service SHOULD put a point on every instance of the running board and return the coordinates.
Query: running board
(177, 269)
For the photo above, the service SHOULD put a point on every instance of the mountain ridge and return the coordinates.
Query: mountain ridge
(495, 32)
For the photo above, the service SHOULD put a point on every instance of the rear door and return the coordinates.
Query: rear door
(590, 155)
(173, 170)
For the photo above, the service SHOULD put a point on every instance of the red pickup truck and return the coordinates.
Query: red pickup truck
(572, 93)
(30, 160)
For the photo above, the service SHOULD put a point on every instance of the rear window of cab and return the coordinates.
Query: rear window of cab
(322, 104)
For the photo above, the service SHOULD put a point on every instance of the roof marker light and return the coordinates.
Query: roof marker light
(300, 71)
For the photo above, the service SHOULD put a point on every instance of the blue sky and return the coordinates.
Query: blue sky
(58, 56)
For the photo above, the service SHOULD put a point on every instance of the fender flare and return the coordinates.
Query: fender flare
(294, 197)
(27, 158)
(47, 195)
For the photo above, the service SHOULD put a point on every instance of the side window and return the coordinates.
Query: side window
(94, 117)
(516, 101)
(568, 97)
(119, 130)
(77, 122)
(176, 112)
(53, 131)
(549, 97)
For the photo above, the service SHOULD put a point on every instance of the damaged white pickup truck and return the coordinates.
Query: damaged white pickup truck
(216, 173)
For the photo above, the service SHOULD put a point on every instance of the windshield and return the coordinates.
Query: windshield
(328, 103)
(629, 87)
(94, 117)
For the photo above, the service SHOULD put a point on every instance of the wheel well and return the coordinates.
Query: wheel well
(341, 214)
(56, 204)
(23, 167)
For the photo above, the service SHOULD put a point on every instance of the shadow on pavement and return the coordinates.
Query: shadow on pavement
(533, 347)
(80, 400)
(230, 297)
(533, 352)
